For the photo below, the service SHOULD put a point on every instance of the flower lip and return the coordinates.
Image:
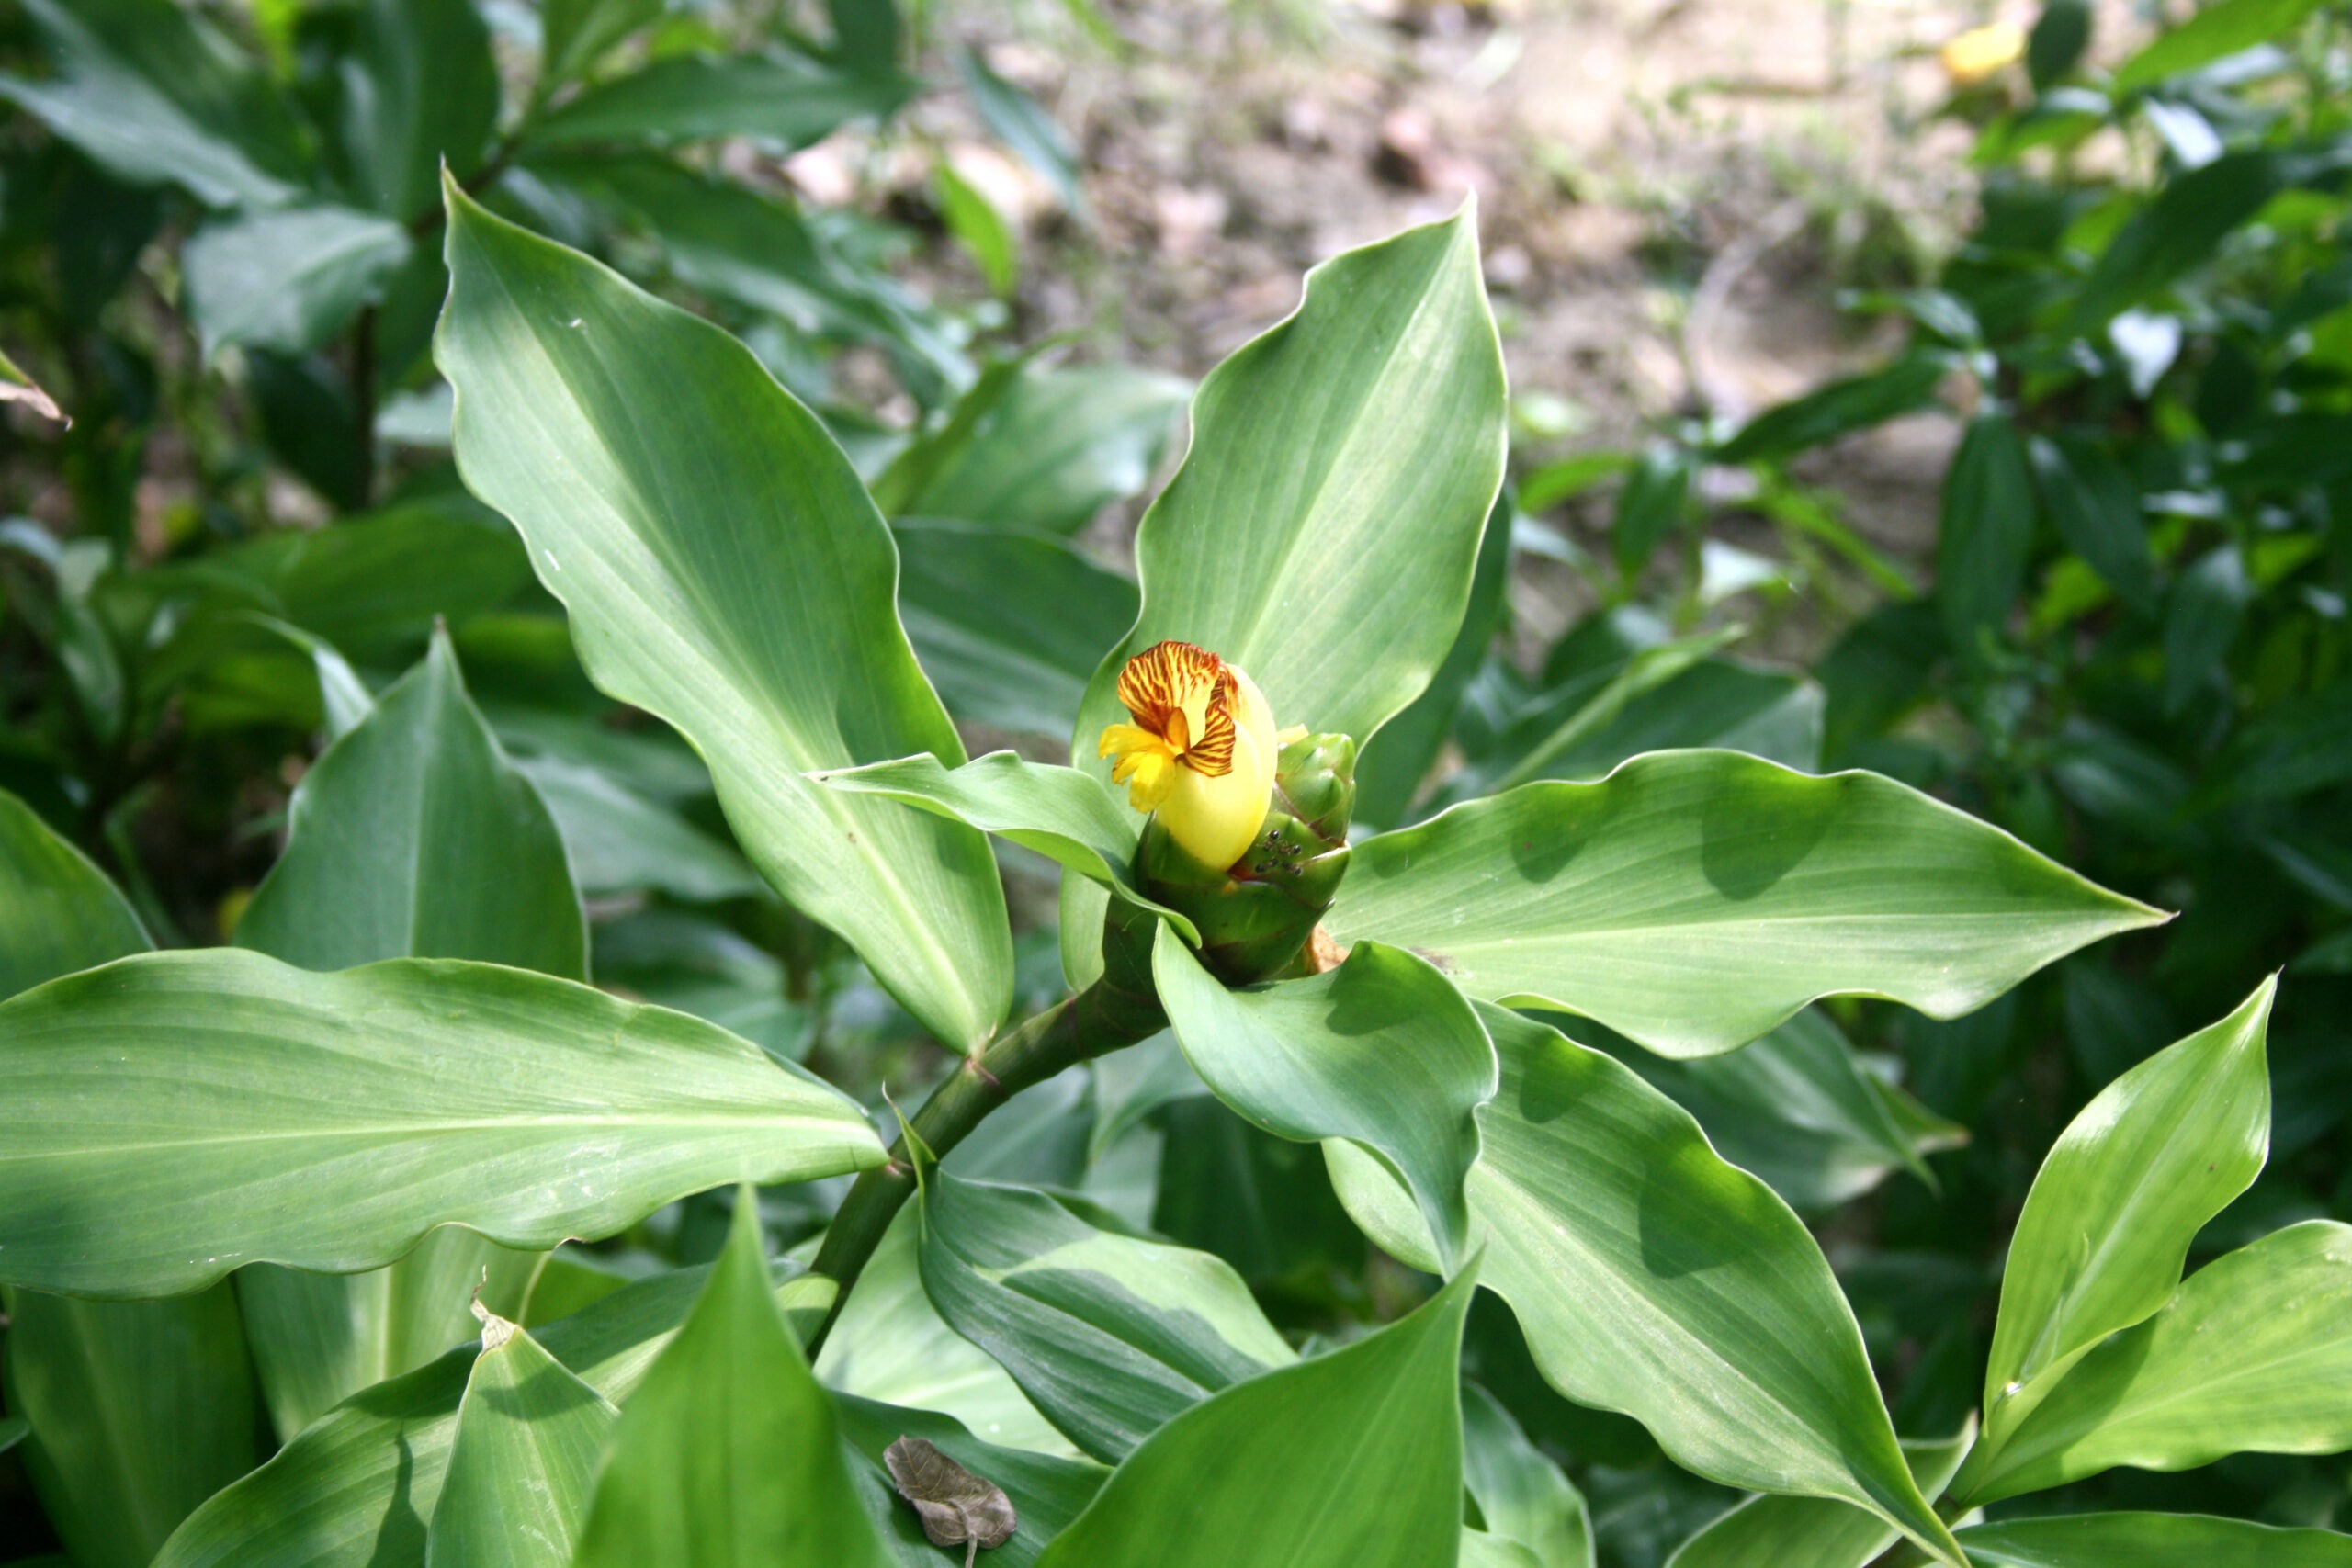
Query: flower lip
(1183, 697)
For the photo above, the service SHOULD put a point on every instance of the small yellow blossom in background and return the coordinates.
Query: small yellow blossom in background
(1980, 52)
(1201, 751)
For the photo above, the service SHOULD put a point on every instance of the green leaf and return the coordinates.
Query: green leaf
(1390, 770)
(356, 1488)
(575, 34)
(621, 842)
(1650, 1277)
(2179, 230)
(1067, 816)
(13, 1430)
(289, 279)
(2095, 504)
(1520, 1494)
(1352, 1458)
(2201, 618)
(398, 1097)
(1009, 624)
(319, 1339)
(2056, 44)
(890, 1344)
(727, 1453)
(1021, 124)
(726, 571)
(1655, 499)
(694, 963)
(420, 95)
(155, 95)
(1780, 1532)
(1053, 449)
(1839, 408)
(2122, 1193)
(2150, 1541)
(1323, 528)
(1381, 1051)
(1047, 1491)
(58, 912)
(1692, 900)
(978, 225)
(2223, 28)
(1108, 1336)
(782, 100)
(1797, 1109)
(2251, 1354)
(139, 1410)
(529, 1435)
(1985, 533)
(415, 837)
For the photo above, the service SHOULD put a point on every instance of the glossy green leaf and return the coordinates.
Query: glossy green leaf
(155, 94)
(420, 94)
(413, 836)
(1390, 771)
(781, 99)
(1650, 1277)
(2252, 1354)
(2096, 506)
(398, 1097)
(528, 1438)
(979, 227)
(1323, 528)
(1798, 1110)
(2223, 28)
(1053, 449)
(288, 280)
(1692, 900)
(354, 1490)
(1010, 625)
(890, 1344)
(622, 842)
(2150, 1541)
(728, 1453)
(575, 34)
(1381, 1051)
(139, 1410)
(725, 569)
(58, 912)
(1064, 814)
(694, 963)
(2201, 618)
(1985, 533)
(1522, 1494)
(1353, 1457)
(1047, 1491)
(1781, 1532)
(1110, 1336)
(2120, 1196)
(1023, 124)
(1839, 408)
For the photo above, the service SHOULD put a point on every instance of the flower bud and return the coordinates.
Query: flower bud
(1256, 917)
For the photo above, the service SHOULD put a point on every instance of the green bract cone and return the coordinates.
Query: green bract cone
(1255, 917)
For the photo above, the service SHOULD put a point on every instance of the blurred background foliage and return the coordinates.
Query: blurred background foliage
(1971, 406)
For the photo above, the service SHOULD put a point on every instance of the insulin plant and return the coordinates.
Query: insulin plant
(379, 1111)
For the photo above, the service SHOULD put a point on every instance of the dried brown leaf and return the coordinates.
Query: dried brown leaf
(958, 1508)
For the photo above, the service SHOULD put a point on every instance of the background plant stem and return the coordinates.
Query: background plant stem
(1104, 1017)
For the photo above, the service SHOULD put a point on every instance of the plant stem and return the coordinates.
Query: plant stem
(1104, 1017)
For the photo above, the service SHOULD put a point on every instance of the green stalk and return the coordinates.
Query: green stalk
(1104, 1017)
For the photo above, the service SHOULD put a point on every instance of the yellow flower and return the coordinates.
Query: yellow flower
(1980, 52)
(1201, 751)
